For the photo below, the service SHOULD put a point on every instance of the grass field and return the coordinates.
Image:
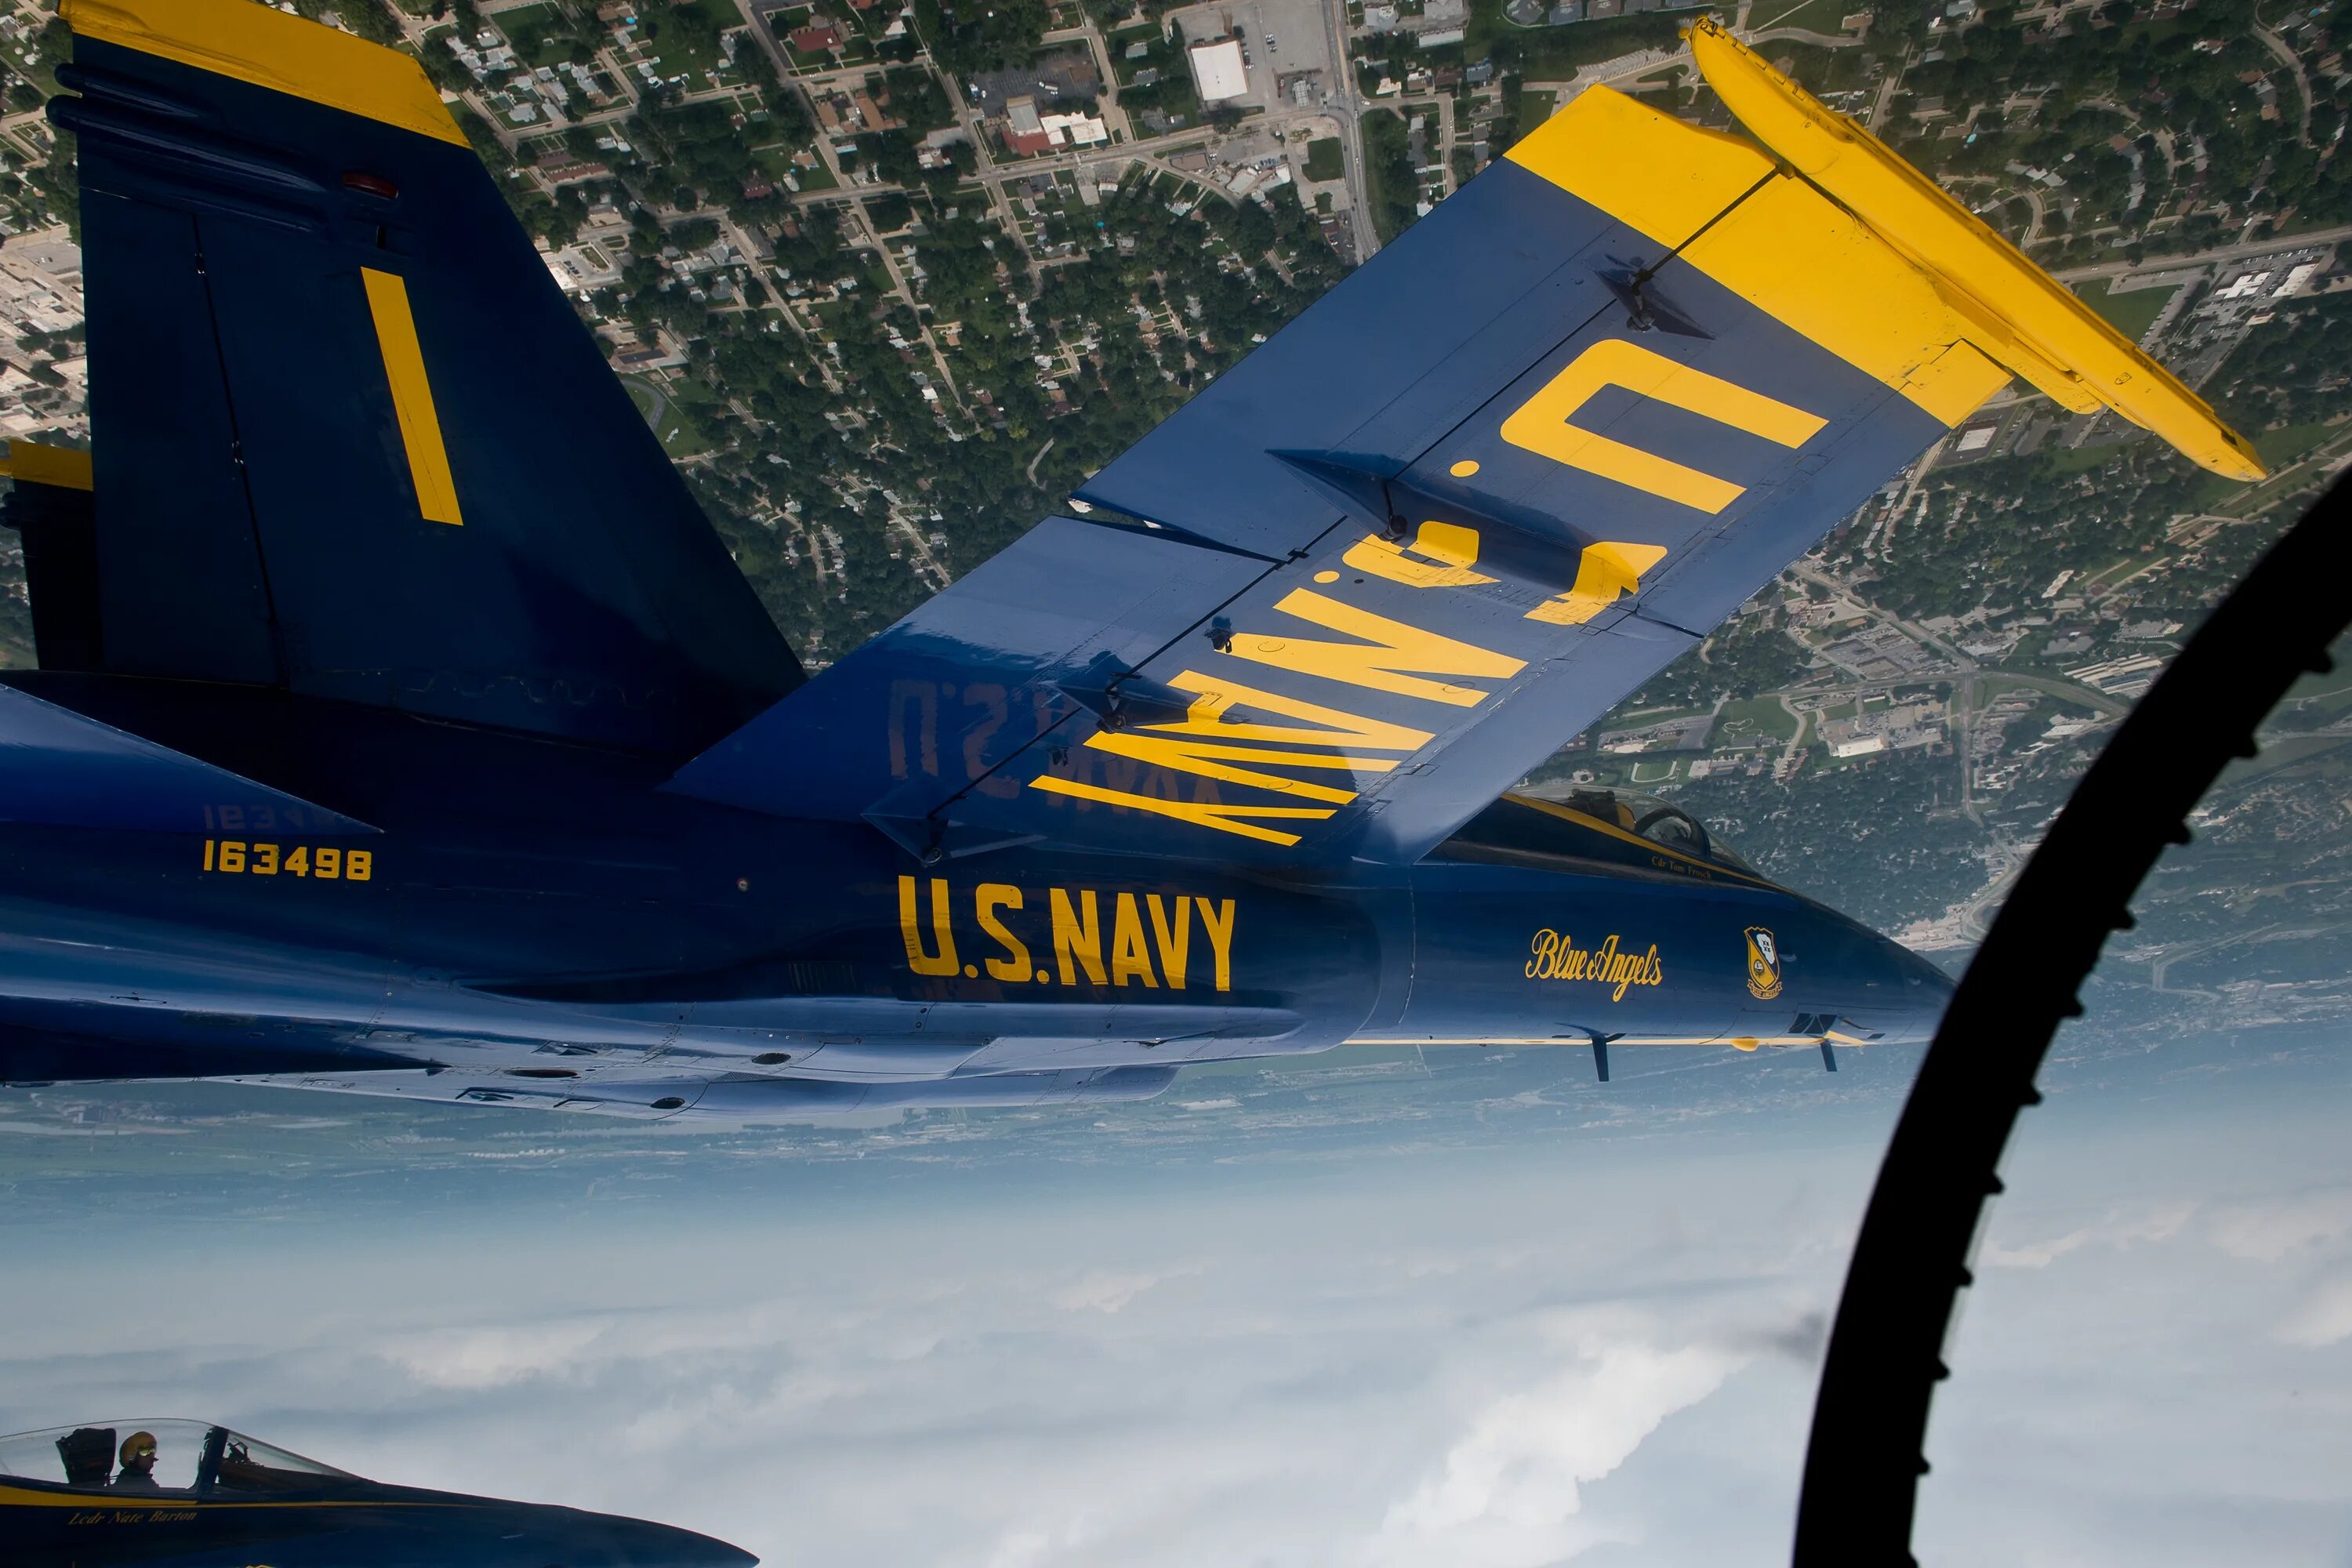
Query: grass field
(2281, 446)
(1323, 159)
(686, 47)
(2069, 461)
(1813, 16)
(2279, 450)
(2331, 693)
(777, 162)
(1756, 716)
(2130, 313)
(2275, 755)
(680, 435)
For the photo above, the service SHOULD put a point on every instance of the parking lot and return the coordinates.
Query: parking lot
(1301, 41)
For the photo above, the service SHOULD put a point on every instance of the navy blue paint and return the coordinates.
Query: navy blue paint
(180, 584)
(539, 908)
(1379, 368)
(930, 706)
(61, 769)
(585, 597)
(551, 923)
(327, 1521)
(1358, 411)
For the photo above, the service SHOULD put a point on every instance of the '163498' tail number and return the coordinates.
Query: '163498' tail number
(323, 862)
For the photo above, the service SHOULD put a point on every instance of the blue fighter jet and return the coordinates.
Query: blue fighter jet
(403, 727)
(189, 1494)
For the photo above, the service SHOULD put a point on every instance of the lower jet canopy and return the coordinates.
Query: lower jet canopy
(189, 1494)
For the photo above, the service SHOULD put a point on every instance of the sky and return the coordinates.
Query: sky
(1555, 1324)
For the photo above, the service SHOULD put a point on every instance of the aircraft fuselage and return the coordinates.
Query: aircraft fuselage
(544, 925)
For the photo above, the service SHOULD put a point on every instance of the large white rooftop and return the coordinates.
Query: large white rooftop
(1217, 72)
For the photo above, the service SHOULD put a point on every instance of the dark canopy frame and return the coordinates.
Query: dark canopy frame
(1911, 1259)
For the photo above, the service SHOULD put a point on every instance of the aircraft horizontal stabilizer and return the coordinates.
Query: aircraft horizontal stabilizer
(61, 769)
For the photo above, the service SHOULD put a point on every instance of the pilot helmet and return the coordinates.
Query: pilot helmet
(139, 1448)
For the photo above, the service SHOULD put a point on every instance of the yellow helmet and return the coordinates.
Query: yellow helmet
(138, 1446)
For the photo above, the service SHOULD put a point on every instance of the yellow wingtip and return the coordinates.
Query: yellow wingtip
(2029, 322)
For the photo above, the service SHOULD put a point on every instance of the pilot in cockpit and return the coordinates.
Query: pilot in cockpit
(138, 1472)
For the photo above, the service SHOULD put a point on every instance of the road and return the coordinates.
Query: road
(2293, 62)
(1347, 109)
(2239, 251)
(1918, 633)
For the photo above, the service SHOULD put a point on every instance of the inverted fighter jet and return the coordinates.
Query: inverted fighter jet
(190, 1494)
(403, 727)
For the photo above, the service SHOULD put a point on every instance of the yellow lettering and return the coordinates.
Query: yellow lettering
(1073, 940)
(1199, 757)
(1541, 424)
(1217, 919)
(1207, 717)
(1555, 956)
(1607, 569)
(298, 861)
(1223, 818)
(1450, 547)
(1393, 657)
(1129, 959)
(1015, 964)
(917, 958)
(1176, 944)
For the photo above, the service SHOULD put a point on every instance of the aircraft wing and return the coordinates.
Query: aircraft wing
(350, 439)
(1457, 510)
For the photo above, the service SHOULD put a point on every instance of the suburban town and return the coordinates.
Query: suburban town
(889, 284)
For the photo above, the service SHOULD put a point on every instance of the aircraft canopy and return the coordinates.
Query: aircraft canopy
(196, 1457)
(1605, 823)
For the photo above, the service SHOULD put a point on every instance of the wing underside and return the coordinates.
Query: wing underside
(1454, 512)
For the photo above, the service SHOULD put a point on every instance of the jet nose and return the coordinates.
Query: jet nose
(1908, 1001)
(608, 1540)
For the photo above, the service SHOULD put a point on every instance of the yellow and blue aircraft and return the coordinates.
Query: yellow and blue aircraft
(191, 1494)
(403, 727)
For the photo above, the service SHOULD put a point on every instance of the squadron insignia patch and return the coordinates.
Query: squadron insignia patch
(1763, 965)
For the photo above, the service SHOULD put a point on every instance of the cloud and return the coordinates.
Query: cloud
(493, 1357)
(2268, 1232)
(1509, 1489)
(2323, 1317)
(1100, 1290)
(2115, 1229)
